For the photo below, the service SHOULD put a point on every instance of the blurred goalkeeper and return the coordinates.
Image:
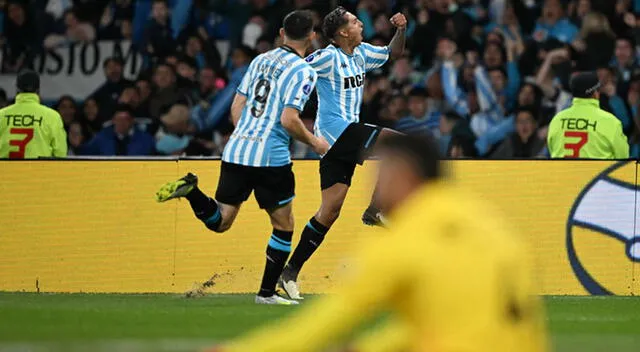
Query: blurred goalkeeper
(456, 277)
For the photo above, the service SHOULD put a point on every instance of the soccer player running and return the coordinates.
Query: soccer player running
(266, 113)
(29, 130)
(584, 130)
(454, 276)
(341, 69)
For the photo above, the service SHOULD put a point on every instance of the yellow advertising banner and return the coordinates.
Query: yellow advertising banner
(93, 226)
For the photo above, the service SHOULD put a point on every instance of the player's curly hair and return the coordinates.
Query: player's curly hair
(333, 21)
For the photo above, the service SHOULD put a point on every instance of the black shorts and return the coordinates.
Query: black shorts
(273, 186)
(351, 148)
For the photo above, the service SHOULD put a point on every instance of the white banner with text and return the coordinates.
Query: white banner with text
(76, 70)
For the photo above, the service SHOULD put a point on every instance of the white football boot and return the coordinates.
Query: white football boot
(276, 300)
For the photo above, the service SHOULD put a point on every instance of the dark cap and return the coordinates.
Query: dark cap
(584, 84)
(28, 81)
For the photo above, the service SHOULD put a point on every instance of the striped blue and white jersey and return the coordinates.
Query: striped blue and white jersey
(276, 79)
(341, 85)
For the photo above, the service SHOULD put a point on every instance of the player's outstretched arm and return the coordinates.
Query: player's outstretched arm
(291, 122)
(397, 42)
(237, 106)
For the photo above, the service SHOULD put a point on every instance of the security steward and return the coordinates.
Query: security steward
(584, 131)
(29, 130)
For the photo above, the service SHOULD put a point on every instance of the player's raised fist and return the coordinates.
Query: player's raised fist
(399, 21)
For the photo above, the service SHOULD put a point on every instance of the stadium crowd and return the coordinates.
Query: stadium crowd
(483, 76)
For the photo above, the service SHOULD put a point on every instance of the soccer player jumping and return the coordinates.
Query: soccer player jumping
(266, 113)
(341, 69)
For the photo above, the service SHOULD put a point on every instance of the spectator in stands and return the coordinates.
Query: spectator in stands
(207, 24)
(509, 26)
(436, 104)
(446, 125)
(633, 98)
(144, 91)
(122, 138)
(172, 59)
(624, 60)
(462, 141)
(581, 9)
(610, 100)
(595, 43)
(130, 96)
(107, 95)
(165, 90)
(479, 104)
(20, 37)
(68, 110)
(159, 41)
(383, 27)
(186, 69)
(208, 85)
(174, 136)
(203, 55)
(402, 76)
(177, 138)
(524, 143)
(394, 110)
(77, 135)
(208, 119)
(417, 121)
(634, 102)
(555, 95)
(435, 20)
(366, 11)
(554, 24)
(92, 117)
(73, 31)
(115, 23)
(461, 148)
(623, 20)
(528, 95)
(376, 88)
(253, 30)
(272, 12)
(494, 55)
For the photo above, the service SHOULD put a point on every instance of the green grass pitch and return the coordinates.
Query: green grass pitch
(100, 322)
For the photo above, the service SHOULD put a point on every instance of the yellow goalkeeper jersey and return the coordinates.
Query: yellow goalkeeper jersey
(455, 276)
(30, 130)
(587, 132)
